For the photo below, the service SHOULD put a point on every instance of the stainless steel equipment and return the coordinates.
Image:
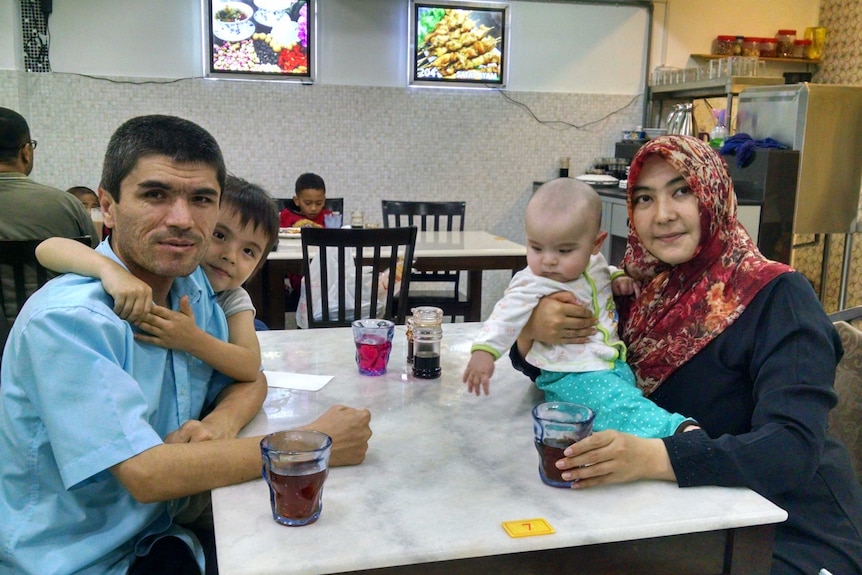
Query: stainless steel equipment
(681, 121)
(824, 123)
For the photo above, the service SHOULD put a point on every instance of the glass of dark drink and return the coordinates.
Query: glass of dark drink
(557, 425)
(295, 465)
(373, 339)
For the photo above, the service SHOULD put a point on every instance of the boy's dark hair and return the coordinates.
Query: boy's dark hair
(14, 133)
(79, 191)
(309, 181)
(181, 140)
(254, 206)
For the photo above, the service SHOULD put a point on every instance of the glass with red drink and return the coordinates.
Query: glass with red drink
(295, 465)
(557, 425)
(373, 339)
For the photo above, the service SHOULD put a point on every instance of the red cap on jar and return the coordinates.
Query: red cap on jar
(787, 32)
(727, 38)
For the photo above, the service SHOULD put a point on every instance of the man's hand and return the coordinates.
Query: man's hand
(350, 431)
(193, 430)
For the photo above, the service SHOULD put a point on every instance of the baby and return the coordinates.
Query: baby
(562, 220)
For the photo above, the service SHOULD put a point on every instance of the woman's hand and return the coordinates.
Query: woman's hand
(557, 318)
(613, 457)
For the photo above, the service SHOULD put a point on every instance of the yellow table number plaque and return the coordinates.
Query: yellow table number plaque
(528, 527)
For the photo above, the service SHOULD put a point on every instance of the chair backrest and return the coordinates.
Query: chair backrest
(845, 418)
(433, 216)
(359, 256)
(18, 263)
(334, 204)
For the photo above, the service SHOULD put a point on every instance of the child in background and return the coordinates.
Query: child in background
(305, 209)
(563, 241)
(307, 206)
(87, 196)
(247, 229)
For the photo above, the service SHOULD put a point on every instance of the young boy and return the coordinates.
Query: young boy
(307, 206)
(563, 242)
(87, 196)
(245, 233)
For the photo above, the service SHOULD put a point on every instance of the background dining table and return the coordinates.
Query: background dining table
(445, 470)
(470, 251)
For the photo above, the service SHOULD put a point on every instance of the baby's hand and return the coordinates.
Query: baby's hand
(167, 328)
(133, 299)
(477, 374)
(625, 285)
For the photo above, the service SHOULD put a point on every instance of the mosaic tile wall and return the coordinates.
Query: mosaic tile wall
(368, 143)
(842, 64)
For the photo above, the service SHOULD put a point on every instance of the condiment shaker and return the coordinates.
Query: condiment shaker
(427, 336)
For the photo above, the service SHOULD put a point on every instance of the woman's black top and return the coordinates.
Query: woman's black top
(761, 391)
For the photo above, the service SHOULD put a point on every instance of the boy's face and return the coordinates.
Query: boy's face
(234, 251)
(310, 202)
(559, 246)
(90, 201)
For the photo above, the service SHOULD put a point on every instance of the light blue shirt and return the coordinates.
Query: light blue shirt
(78, 396)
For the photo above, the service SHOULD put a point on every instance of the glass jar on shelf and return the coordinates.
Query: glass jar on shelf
(801, 48)
(724, 45)
(785, 40)
(768, 47)
(751, 46)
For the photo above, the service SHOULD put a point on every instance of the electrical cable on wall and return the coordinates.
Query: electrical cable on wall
(562, 123)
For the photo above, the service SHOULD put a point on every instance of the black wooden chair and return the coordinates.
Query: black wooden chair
(845, 417)
(444, 291)
(361, 255)
(20, 275)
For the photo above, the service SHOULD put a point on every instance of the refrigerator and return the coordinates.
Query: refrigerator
(824, 124)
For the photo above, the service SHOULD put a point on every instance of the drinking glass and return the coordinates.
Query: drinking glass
(557, 425)
(295, 466)
(373, 339)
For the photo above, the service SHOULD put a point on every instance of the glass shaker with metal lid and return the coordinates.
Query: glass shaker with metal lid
(427, 336)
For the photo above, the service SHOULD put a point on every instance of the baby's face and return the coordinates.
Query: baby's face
(310, 202)
(559, 247)
(234, 251)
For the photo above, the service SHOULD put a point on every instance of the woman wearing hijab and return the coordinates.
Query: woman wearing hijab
(733, 340)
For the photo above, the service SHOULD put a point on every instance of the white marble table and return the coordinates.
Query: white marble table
(471, 251)
(445, 469)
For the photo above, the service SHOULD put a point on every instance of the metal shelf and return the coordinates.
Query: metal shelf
(712, 87)
(729, 86)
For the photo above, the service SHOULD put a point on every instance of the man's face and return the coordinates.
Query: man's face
(165, 218)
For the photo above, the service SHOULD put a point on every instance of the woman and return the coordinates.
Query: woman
(737, 342)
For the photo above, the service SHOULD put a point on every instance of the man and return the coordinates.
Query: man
(31, 211)
(103, 438)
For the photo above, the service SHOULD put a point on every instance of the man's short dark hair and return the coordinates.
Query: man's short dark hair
(181, 140)
(309, 181)
(254, 206)
(14, 133)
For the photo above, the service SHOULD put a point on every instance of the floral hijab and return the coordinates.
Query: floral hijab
(683, 307)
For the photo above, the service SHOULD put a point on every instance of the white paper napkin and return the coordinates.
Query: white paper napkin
(301, 381)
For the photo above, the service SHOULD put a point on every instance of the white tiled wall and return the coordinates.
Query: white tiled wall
(368, 143)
